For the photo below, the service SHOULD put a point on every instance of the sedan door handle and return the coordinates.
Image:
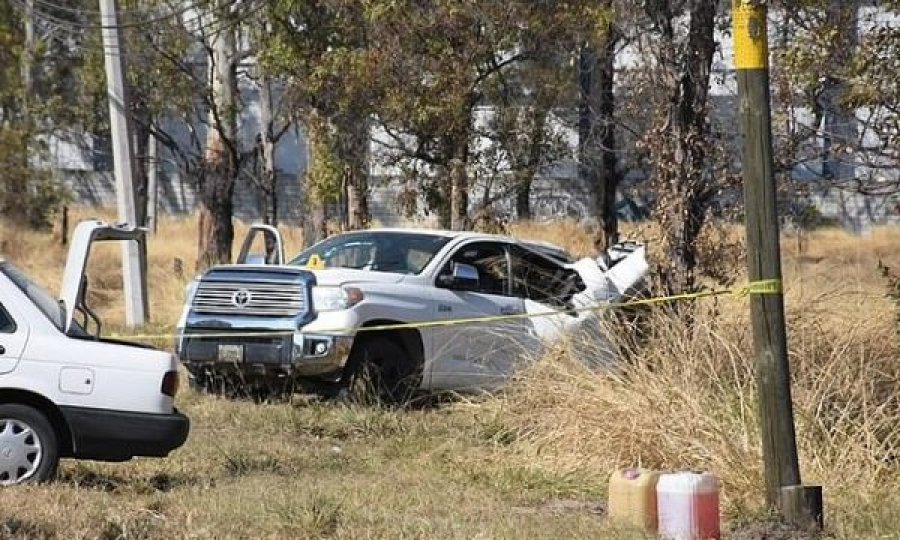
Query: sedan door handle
(509, 311)
(2, 349)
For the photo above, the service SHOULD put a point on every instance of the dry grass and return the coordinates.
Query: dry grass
(687, 398)
(510, 466)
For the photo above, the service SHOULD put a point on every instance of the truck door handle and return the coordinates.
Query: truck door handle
(509, 311)
(2, 349)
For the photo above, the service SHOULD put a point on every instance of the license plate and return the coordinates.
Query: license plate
(231, 353)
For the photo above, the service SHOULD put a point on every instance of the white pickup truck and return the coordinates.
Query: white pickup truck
(331, 314)
(66, 392)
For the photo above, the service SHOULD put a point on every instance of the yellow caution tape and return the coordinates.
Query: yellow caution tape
(760, 287)
(764, 286)
(751, 50)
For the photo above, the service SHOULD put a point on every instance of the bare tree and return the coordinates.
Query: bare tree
(679, 141)
(216, 230)
(597, 131)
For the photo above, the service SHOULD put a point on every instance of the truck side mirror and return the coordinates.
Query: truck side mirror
(463, 277)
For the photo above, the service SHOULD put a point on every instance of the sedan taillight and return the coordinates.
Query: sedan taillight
(170, 383)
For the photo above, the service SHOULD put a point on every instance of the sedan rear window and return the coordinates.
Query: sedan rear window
(48, 305)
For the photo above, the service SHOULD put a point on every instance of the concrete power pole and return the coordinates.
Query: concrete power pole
(798, 504)
(133, 253)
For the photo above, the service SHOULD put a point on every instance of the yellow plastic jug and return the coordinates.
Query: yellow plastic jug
(632, 498)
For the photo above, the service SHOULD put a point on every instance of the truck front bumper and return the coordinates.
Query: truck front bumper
(305, 355)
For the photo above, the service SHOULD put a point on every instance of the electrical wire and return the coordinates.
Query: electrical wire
(81, 11)
(77, 25)
(75, 30)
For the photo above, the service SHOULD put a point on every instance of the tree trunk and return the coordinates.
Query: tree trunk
(532, 161)
(523, 198)
(315, 226)
(839, 123)
(459, 196)
(596, 131)
(357, 201)
(28, 58)
(152, 185)
(220, 167)
(142, 166)
(269, 180)
(343, 215)
(440, 201)
(682, 166)
(11, 207)
(357, 159)
(314, 212)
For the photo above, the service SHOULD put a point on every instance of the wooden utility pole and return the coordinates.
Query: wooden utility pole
(133, 253)
(782, 471)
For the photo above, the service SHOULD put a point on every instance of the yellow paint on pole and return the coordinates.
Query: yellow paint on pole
(751, 50)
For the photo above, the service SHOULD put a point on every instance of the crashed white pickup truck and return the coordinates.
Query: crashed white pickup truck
(331, 313)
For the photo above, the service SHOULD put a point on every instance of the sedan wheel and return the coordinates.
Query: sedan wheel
(28, 450)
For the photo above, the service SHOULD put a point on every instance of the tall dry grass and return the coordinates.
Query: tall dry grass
(686, 397)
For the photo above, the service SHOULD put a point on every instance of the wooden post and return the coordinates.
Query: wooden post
(764, 258)
(802, 505)
(64, 226)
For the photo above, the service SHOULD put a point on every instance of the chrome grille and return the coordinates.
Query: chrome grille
(254, 299)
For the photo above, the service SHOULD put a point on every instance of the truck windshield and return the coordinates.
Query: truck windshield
(397, 252)
(44, 301)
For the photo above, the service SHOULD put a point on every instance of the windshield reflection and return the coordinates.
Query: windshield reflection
(396, 252)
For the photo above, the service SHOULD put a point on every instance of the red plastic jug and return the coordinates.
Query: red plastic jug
(688, 506)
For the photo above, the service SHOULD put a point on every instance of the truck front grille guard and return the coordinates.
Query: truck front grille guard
(251, 299)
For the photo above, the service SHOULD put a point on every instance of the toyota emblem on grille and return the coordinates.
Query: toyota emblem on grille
(241, 298)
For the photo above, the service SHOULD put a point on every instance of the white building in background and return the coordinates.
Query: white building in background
(85, 163)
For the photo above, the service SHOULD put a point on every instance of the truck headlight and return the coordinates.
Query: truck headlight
(335, 298)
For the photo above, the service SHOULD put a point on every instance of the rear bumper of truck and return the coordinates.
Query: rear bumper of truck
(256, 353)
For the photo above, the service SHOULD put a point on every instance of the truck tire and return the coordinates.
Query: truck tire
(379, 371)
(29, 449)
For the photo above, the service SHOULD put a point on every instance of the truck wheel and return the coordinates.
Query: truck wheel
(380, 371)
(29, 451)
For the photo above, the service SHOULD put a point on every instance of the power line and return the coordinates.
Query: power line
(125, 12)
(195, 25)
(77, 25)
(122, 13)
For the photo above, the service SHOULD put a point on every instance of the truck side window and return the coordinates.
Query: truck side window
(537, 278)
(489, 258)
(7, 325)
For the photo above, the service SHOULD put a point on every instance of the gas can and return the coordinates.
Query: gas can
(688, 506)
(632, 498)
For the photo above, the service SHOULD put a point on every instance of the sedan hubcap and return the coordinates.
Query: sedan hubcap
(20, 451)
